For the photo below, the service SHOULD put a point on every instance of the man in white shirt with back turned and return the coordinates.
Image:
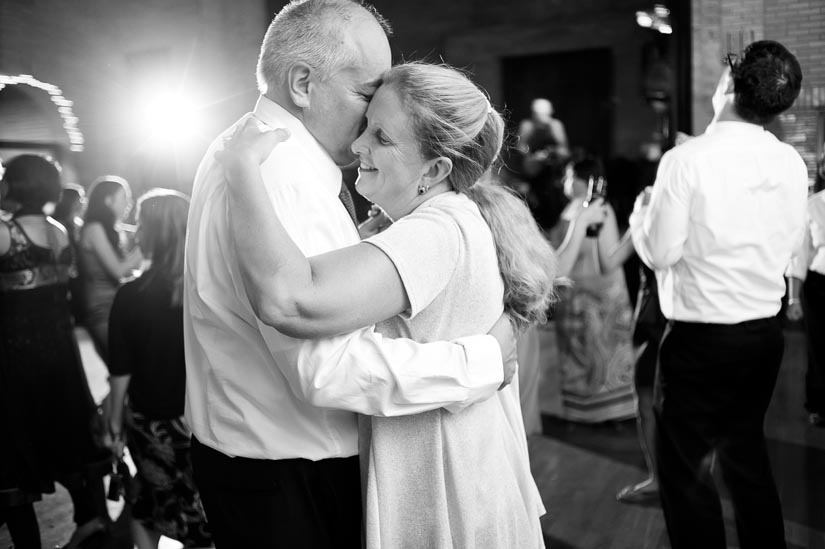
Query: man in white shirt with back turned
(273, 418)
(724, 216)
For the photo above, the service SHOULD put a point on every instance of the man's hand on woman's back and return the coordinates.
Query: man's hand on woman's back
(505, 334)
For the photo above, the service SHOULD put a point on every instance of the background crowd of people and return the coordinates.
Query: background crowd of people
(65, 272)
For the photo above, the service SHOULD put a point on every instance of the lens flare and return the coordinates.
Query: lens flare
(168, 118)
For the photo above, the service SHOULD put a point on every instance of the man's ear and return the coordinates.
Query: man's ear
(298, 84)
(437, 170)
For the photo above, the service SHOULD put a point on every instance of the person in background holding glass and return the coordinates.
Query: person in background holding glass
(593, 318)
(146, 360)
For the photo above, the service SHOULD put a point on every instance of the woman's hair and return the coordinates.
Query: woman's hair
(310, 31)
(161, 217)
(453, 118)
(98, 211)
(33, 181)
(70, 199)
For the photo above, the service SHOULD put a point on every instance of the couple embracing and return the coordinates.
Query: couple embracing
(307, 347)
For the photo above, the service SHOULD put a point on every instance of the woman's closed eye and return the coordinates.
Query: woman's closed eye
(382, 138)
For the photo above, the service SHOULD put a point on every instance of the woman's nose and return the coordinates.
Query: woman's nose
(358, 145)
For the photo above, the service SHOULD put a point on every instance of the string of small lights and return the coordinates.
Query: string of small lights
(64, 106)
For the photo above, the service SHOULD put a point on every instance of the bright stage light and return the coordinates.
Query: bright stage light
(657, 19)
(168, 118)
(643, 19)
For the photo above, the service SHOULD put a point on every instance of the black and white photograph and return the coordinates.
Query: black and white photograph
(478, 274)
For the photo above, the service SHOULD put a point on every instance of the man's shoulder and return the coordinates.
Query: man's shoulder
(681, 155)
(698, 144)
(290, 159)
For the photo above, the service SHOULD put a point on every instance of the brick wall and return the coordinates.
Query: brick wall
(720, 26)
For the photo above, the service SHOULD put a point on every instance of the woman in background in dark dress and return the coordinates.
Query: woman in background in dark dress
(146, 359)
(46, 409)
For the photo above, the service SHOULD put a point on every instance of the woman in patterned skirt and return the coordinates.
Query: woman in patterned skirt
(594, 318)
(146, 359)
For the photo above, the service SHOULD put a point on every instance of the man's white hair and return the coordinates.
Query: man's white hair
(311, 31)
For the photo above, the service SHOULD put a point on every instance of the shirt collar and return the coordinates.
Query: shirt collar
(275, 116)
(734, 126)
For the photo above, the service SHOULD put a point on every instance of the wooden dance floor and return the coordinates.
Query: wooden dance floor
(580, 468)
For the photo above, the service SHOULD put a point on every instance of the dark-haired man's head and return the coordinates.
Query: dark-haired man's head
(766, 81)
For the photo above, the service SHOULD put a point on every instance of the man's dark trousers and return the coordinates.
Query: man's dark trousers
(714, 384)
(290, 503)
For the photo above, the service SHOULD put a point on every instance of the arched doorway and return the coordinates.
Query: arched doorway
(36, 118)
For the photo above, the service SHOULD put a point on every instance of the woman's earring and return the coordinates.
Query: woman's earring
(423, 188)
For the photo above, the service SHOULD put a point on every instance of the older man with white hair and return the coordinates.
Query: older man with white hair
(274, 430)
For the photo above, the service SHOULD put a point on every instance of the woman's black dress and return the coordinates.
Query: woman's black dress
(46, 409)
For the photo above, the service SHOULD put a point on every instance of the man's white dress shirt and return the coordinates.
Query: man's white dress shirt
(254, 392)
(725, 214)
(811, 254)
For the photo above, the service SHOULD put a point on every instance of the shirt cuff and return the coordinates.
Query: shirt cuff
(484, 369)
(636, 228)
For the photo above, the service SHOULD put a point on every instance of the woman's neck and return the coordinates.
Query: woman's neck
(398, 212)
